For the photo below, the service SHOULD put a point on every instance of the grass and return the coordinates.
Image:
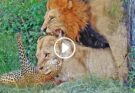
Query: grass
(23, 16)
(83, 85)
(8, 53)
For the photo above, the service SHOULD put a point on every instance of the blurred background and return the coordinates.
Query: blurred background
(25, 16)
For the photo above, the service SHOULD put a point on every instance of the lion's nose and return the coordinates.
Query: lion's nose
(43, 29)
(44, 26)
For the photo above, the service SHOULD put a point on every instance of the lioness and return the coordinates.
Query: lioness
(85, 61)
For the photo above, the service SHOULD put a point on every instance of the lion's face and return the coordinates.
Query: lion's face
(48, 62)
(67, 16)
(53, 23)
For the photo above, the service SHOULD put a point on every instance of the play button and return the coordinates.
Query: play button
(64, 48)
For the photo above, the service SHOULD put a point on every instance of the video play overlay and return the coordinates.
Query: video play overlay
(64, 48)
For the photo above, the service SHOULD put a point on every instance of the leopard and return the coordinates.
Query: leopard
(27, 74)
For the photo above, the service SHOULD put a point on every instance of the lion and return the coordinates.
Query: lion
(98, 62)
(53, 17)
(73, 16)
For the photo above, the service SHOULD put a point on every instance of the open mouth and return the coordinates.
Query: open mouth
(57, 32)
(55, 66)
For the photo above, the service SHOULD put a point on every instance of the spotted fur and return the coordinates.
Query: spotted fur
(27, 74)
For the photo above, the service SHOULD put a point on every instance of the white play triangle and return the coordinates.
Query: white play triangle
(64, 47)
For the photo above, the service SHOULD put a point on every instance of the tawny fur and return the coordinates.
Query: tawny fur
(73, 15)
(91, 61)
(116, 37)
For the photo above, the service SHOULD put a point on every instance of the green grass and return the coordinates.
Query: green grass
(83, 85)
(25, 16)
(8, 53)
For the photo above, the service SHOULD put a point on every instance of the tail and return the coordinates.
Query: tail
(22, 57)
(26, 67)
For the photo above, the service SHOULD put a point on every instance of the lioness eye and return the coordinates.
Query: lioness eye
(46, 55)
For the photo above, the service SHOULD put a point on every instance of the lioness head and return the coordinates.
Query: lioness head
(48, 62)
(68, 16)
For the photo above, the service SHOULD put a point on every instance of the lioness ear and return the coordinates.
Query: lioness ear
(40, 38)
(40, 42)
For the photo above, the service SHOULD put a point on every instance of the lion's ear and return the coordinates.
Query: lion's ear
(62, 4)
(66, 3)
(70, 4)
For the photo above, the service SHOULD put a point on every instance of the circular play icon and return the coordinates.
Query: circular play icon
(64, 48)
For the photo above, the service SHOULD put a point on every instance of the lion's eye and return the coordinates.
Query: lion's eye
(52, 17)
(47, 55)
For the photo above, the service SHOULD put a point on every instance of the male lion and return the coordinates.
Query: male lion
(104, 16)
(95, 61)
(53, 23)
